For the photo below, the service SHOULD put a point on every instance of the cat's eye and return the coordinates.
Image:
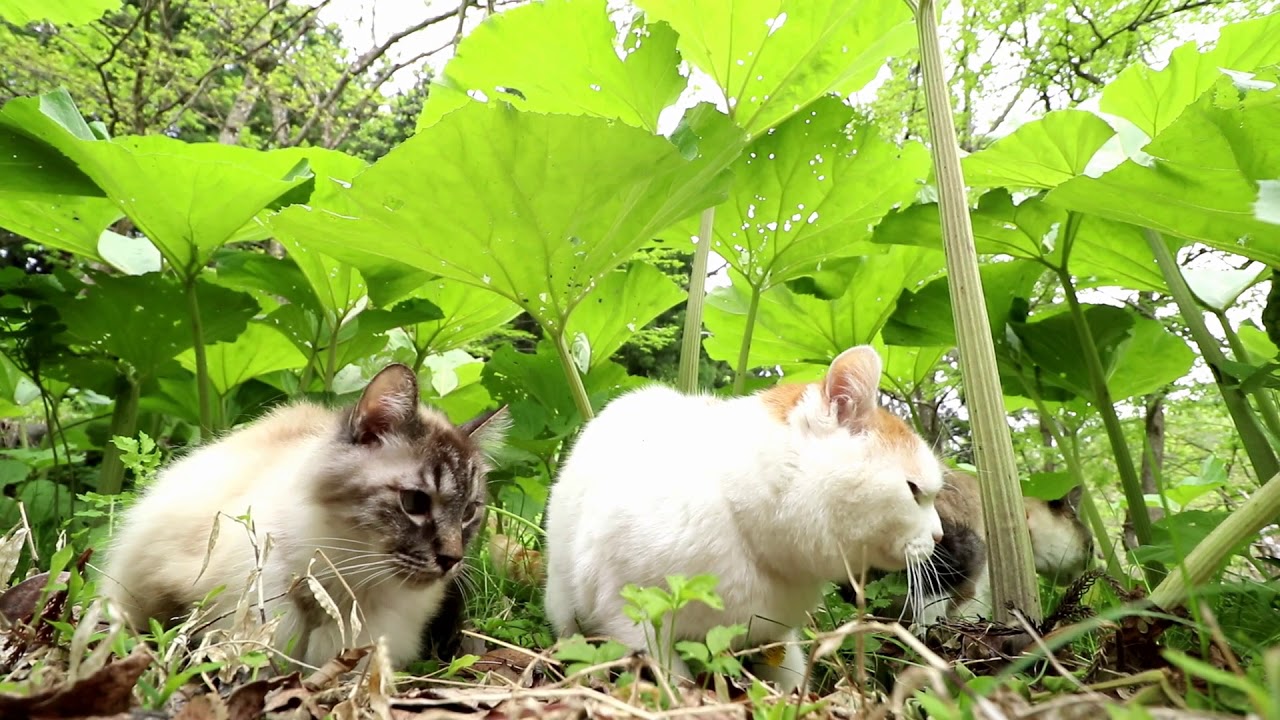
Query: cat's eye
(915, 489)
(415, 502)
(470, 514)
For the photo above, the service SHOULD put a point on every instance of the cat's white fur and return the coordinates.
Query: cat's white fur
(774, 495)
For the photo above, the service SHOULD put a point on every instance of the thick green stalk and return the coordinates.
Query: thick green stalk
(202, 360)
(691, 340)
(576, 388)
(1262, 395)
(124, 421)
(1129, 480)
(1013, 578)
(744, 352)
(1260, 510)
(1255, 441)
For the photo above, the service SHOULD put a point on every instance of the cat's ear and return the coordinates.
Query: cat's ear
(851, 385)
(389, 404)
(1072, 500)
(488, 430)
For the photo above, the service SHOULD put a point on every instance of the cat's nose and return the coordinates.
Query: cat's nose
(937, 536)
(446, 562)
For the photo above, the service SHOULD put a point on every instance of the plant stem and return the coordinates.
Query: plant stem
(1013, 579)
(331, 353)
(571, 374)
(1255, 442)
(1260, 510)
(124, 421)
(202, 360)
(1262, 395)
(1101, 401)
(691, 340)
(744, 352)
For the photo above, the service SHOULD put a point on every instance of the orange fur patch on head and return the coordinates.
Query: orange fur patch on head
(892, 430)
(780, 399)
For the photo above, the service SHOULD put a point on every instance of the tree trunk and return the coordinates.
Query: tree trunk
(1152, 462)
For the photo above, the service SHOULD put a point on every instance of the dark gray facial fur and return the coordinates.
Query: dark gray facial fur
(404, 481)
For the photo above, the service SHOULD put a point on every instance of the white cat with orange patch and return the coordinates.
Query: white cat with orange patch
(775, 494)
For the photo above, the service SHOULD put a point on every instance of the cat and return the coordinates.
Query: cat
(757, 490)
(1062, 546)
(388, 489)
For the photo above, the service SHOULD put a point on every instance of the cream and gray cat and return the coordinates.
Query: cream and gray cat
(388, 489)
(958, 584)
(776, 494)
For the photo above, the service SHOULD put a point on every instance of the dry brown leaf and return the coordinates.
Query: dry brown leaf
(108, 691)
(505, 662)
(336, 668)
(18, 603)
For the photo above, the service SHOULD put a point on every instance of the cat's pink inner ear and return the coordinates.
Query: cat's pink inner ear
(388, 402)
(851, 384)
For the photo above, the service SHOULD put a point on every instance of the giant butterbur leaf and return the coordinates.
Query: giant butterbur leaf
(534, 207)
(1202, 181)
(259, 350)
(469, 313)
(143, 319)
(1040, 154)
(579, 73)
(1138, 354)
(1154, 99)
(808, 192)
(771, 58)
(792, 327)
(64, 222)
(623, 302)
(1103, 253)
(924, 317)
(178, 194)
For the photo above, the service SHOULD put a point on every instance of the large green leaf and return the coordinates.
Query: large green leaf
(771, 58)
(794, 328)
(622, 303)
(59, 12)
(808, 192)
(1104, 252)
(536, 387)
(534, 207)
(1203, 180)
(178, 194)
(143, 319)
(62, 222)
(30, 167)
(924, 318)
(906, 368)
(1153, 99)
(1138, 354)
(1040, 154)
(578, 73)
(469, 313)
(259, 350)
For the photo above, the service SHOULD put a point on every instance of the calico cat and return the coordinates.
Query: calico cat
(757, 490)
(388, 489)
(959, 584)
